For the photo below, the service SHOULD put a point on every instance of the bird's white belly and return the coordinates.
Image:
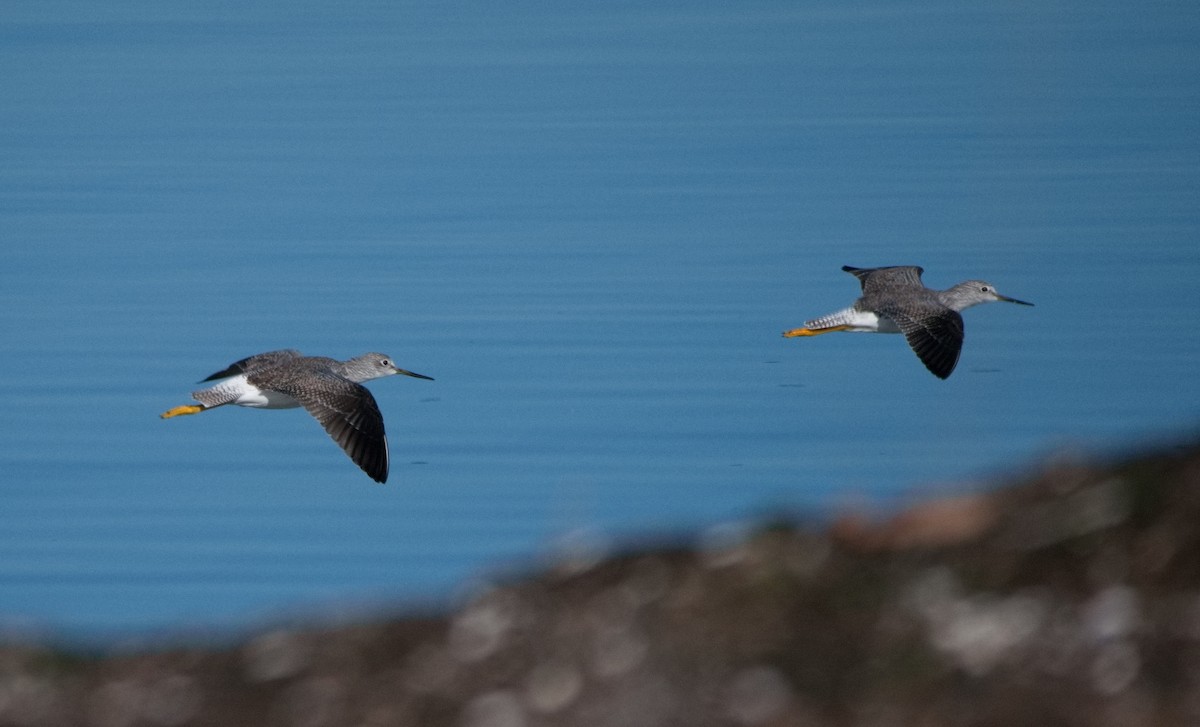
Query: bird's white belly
(883, 324)
(250, 395)
(267, 400)
(865, 321)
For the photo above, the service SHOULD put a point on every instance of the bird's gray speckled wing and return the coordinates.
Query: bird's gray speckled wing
(254, 363)
(879, 280)
(349, 414)
(936, 337)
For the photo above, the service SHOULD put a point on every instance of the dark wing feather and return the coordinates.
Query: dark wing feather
(349, 414)
(936, 339)
(253, 363)
(875, 280)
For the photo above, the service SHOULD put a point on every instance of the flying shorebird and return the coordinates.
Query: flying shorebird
(329, 389)
(894, 300)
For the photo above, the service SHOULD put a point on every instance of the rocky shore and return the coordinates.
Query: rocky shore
(1069, 597)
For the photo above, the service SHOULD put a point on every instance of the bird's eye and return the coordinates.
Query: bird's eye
(384, 362)
(984, 289)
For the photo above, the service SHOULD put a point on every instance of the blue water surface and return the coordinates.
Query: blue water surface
(590, 223)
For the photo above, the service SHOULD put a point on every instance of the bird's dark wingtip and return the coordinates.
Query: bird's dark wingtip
(233, 370)
(939, 366)
(377, 471)
(376, 467)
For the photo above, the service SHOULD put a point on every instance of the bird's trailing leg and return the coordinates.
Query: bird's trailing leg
(182, 410)
(796, 332)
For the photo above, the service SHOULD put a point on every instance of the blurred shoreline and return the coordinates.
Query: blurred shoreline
(1069, 595)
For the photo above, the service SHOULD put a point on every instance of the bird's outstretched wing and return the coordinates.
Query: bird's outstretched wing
(936, 339)
(875, 280)
(257, 362)
(349, 414)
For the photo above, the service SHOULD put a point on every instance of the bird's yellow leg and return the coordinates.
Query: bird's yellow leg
(796, 332)
(182, 410)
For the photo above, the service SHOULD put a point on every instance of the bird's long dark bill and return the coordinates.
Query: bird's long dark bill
(421, 376)
(1006, 299)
